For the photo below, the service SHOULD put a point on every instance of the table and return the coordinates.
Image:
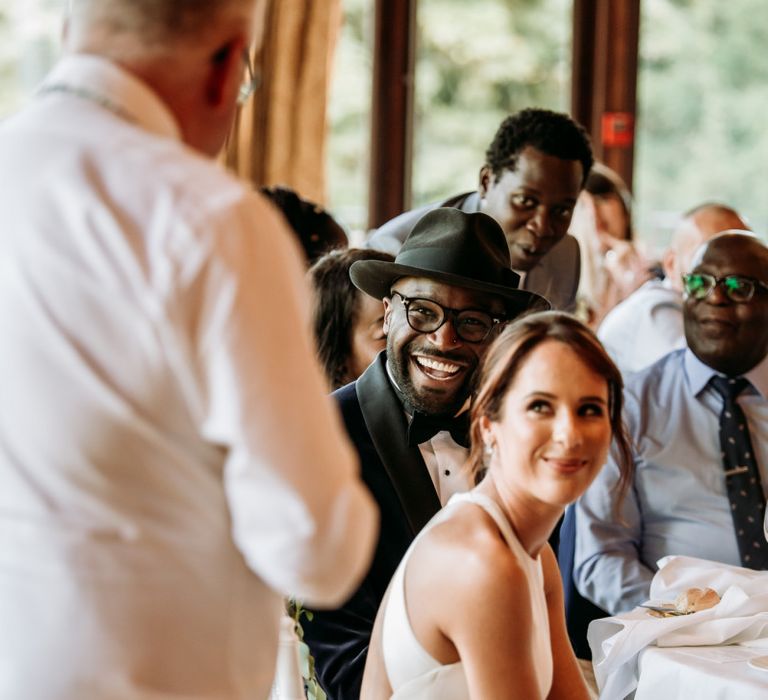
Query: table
(703, 673)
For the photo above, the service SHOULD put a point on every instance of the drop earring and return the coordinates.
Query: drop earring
(488, 449)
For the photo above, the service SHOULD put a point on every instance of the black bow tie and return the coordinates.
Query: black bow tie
(424, 427)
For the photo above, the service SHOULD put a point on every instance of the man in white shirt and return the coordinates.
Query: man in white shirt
(170, 465)
(649, 322)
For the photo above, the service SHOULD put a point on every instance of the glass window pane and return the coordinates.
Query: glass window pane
(477, 62)
(702, 94)
(349, 119)
(30, 34)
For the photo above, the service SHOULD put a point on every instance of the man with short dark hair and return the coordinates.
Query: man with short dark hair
(534, 169)
(699, 422)
(446, 296)
(169, 460)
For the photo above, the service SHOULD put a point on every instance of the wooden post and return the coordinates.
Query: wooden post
(604, 78)
(392, 110)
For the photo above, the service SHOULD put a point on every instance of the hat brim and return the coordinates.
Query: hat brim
(376, 277)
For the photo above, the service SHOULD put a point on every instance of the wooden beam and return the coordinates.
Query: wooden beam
(392, 109)
(604, 78)
(583, 62)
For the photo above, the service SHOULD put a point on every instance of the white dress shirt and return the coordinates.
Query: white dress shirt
(444, 458)
(644, 327)
(446, 464)
(169, 462)
(678, 501)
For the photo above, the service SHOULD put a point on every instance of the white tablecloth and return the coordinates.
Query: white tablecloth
(741, 618)
(703, 673)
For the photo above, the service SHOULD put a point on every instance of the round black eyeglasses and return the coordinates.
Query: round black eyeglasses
(426, 316)
(699, 285)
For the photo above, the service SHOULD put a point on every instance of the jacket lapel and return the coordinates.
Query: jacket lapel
(386, 423)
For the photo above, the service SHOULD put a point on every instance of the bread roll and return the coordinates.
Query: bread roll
(695, 599)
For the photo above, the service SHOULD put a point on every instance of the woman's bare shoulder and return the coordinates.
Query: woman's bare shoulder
(470, 547)
(464, 564)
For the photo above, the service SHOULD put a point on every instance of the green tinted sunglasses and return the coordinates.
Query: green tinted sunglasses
(699, 285)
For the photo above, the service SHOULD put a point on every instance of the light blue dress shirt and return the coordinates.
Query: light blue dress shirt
(678, 502)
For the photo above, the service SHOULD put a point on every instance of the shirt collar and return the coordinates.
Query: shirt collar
(86, 74)
(699, 374)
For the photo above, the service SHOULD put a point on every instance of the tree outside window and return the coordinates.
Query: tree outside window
(30, 32)
(702, 94)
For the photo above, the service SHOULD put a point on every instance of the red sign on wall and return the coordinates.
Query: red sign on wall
(618, 129)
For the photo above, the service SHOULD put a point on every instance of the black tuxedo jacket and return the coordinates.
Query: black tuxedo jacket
(399, 481)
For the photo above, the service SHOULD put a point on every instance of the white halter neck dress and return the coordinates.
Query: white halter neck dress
(412, 672)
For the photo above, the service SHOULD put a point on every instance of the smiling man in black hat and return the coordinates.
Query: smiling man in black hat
(446, 296)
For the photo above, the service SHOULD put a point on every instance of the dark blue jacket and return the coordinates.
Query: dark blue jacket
(399, 481)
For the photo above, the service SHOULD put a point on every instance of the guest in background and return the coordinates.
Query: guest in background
(698, 420)
(612, 266)
(649, 322)
(475, 608)
(613, 203)
(534, 169)
(317, 231)
(348, 323)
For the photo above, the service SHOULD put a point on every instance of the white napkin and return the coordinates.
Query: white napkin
(741, 617)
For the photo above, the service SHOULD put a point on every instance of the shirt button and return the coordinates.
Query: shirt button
(447, 472)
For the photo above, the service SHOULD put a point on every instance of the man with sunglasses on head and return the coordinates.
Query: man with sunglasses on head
(170, 465)
(446, 296)
(698, 418)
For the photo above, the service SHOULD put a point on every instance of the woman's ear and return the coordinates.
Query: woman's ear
(486, 429)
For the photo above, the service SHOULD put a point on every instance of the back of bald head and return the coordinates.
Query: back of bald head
(737, 244)
(151, 26)
(697, 226)
(710, 219)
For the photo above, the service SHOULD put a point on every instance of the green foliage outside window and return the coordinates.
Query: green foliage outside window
(349, 118)
(702, 89)
(702, 95)
(29, 44)
(476, 63)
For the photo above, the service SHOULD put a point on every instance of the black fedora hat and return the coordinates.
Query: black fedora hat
(456, 248)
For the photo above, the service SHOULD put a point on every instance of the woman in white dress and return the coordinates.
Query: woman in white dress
(475, 609)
